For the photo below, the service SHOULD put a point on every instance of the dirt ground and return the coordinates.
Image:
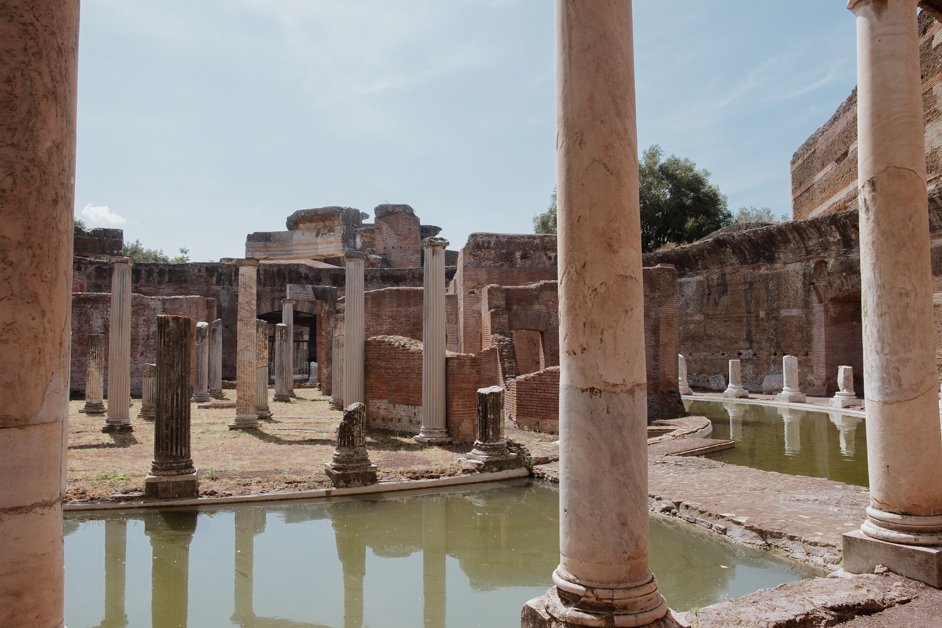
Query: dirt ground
(286, 454)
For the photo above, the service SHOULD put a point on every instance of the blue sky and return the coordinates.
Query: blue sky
(202, 121)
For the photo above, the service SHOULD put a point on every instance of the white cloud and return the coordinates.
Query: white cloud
(101, 215)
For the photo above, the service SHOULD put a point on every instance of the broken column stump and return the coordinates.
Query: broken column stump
(172, 474)
(351, 464)
(490, 451)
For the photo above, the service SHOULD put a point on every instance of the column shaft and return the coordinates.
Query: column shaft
(282, 366)
(287, 319)
(119, 348)
(261, 370)
(94, 375)
(201, 394)
(215, 359)
(354, 333)
(246, 386)
(434, 426)
(38, 69)
(149, 393)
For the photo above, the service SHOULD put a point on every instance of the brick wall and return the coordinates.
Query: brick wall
(393, 373)
(397, 238)
(463, 378)
(660, 343)
(394, 312)
(532, 401)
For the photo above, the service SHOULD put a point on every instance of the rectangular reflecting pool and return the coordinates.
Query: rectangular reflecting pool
(825, 444)
(450, 558)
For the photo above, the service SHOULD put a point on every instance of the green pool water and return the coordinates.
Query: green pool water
(457, 558)
(826, 444)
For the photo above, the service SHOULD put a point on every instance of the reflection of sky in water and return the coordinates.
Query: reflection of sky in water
(827, 444)
(456, 559)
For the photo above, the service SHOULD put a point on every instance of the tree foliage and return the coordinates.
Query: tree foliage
(745, 215)
(679, 204)
(139, 253)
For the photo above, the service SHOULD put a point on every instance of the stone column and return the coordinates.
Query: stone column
(246, 415)
(791, 392)
(847, 428)
(172, 474)
(312, 374)
(115, 573)
(904, 442)
(350, 464)
(735, 388)
(490, 451)
(94, 375)
(354, 331)
(215, 359)
(170, 535)
(201, 390)
(262, 410)
(845, 395)
(603, 576)
(287, 319)
(283, 370)
(682, 384)
(336, 366)
(434, 430)
(149, 393)
(119, 349)
(38, 69)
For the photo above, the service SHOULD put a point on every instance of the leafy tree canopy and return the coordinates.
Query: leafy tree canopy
(546, 222)
(139, 253)
(756, 214)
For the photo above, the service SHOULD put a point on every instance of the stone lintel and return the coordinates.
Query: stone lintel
(171, 486)
(248, 261)
(863, 553)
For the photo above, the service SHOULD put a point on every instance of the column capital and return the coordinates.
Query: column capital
(249, 261)
(288, 301)
(854, 5)
(355, 256)
(435, 242)
(122, 259)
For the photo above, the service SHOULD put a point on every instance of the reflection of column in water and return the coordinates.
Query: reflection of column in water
(248, 521)
(170, 535)
(847, 427)
(735, 412)
(792, 420)
(433, 559)
(351, 550)
(115, 573)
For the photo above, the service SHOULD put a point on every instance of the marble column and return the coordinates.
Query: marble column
(791, 392)
(148, 393)
(38, 69)
(287, 319)
(215, 359)
(115, 573)
(845, 395)
(170, 534)
(735, 388)
(350, 464)
(172, 474)
(201, 390)
(312, 374)
(904, 441)
(490, 452)
(119, 348)
(262, 410)
(336, 367)
(603, 577)
(246, 415)
(94, 375)
(434, 430)
(682, 384)
(354, 331)
(283, 370)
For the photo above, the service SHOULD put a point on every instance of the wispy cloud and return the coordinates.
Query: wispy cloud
(101, 215)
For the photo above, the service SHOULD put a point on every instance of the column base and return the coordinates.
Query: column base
(433, 437)
(263, 415)
(147, 414)
(489, 457)
(549, 611)
(791, 397)
(282, 398)
(109, 428)
(216, 394)
(737, 392)
(171, 486)
(843, 401)
(863, 553)
(94, 408)
(346, 476)
(201, 398)
(245, 422)
(686, 390)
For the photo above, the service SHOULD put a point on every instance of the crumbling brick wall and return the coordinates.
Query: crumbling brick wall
(397, 236)
(660, 343)
(393, 375)
(532, 401)
(462, 380)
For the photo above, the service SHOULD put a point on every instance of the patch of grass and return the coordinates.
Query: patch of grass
(111, 477)
(211, 473)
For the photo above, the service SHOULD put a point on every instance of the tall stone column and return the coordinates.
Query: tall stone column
(119, 349)
(434, 430)
(215, 359)
(603, 576)
(354, 331)
(94, 375)
(115, 573)
(683, 385)
(201, 390)
(283, 370)
(262, 410)
(287, 319)
(172, 473)
(246, 415)
(336, 367)
(249, 521)
(148, 393)
(38, 69)
(170, 535)
(904, 443)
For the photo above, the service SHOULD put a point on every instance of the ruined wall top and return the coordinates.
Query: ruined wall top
(510, 250)
(325, 217)
(97, 242)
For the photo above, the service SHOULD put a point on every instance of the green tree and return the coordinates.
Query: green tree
(745, 215)
(546, 222)
(139, 253)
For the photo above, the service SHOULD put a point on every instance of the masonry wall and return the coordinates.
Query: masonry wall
(661, 343)
(824, 168)
(462, 380)
(532, 401)
(393, 375)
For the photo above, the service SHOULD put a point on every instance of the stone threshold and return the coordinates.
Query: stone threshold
(373, 489)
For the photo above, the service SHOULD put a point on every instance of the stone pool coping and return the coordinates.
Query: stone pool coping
(813, 404)
(381, 487)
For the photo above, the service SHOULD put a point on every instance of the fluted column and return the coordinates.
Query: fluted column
(172, 473)
(201, 391)
(115, 573)
(215, 359)
(246, 386)
(262, 410)
(434, 422)
(283, 369)
(94, 375)
(148, 393)
(336, 366)
(603, 577)
(904, 442)
(287, 319)
(119, 348)
(38, 70)
(354, 331)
